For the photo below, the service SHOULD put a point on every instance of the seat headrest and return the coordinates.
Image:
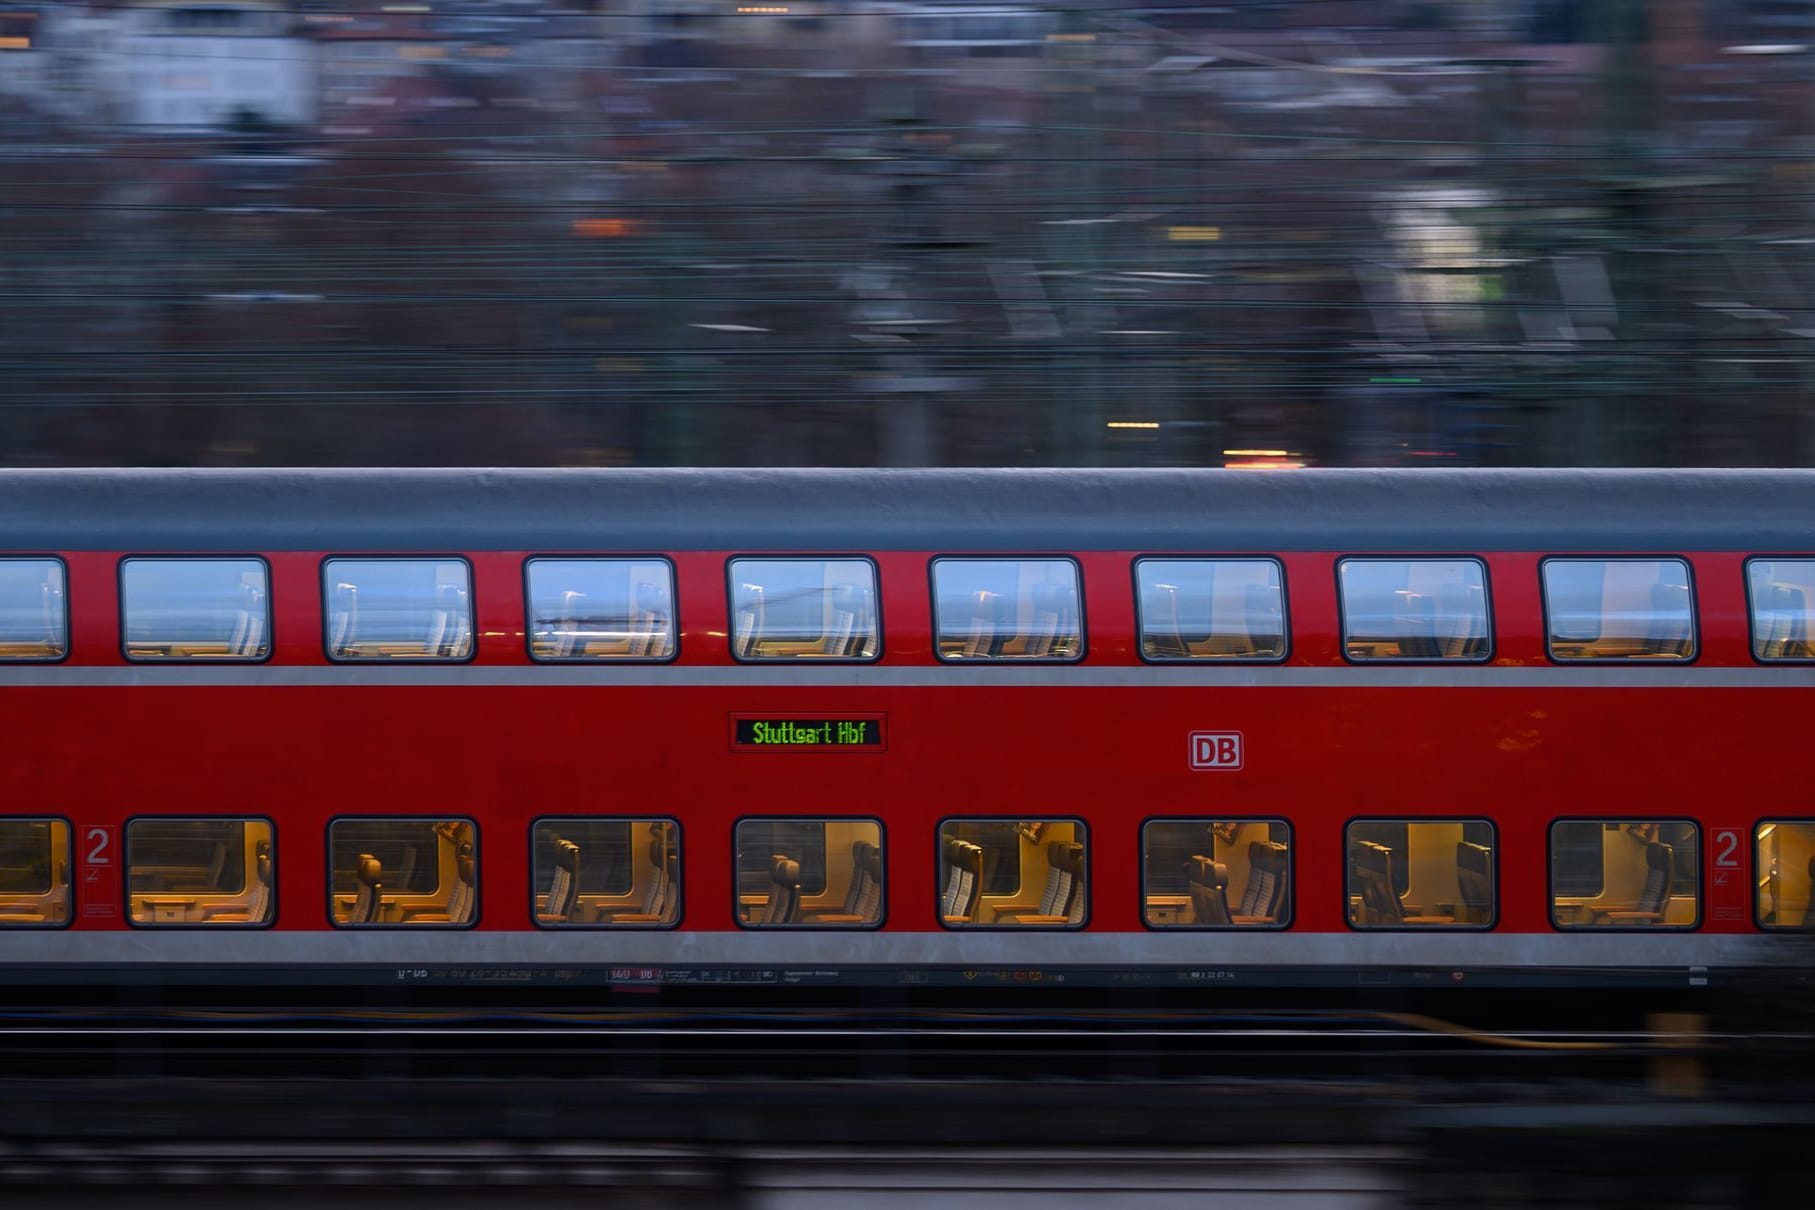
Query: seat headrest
(859, 851)
(785, 871)
(262, 849)
(567, 854)
(1073, 858)
(465, 850)
(1657, 855)
(1471, 856)
(368, 869)
(1371, 856)
(1055, 852)
(1198, 869)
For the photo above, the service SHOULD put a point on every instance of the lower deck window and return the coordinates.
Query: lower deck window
(404, 872)
(34, 873)
(825, 873)
(607, 873)
(1784, 869)
(1420, 873)
(200, 871)
(1013, 873)
(1209, 873)
(1624, 873)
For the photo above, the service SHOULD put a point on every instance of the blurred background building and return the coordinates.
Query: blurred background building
(1331, 232)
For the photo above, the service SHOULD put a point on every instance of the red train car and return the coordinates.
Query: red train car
(905, 727)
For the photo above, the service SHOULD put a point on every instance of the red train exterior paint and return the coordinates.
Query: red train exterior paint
(1519, 740)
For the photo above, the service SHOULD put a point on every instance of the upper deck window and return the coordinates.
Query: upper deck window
(1619, 609)
(804, 609)
(195, 609)
(34, 623)
(409, 609)
(1211, 609)
(1007, 609)
(600, 609)
(1782, 592)
(1414, 609)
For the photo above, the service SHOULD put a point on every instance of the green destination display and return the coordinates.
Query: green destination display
(809, 732)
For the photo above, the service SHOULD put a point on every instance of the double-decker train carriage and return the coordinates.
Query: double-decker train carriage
(773, 726)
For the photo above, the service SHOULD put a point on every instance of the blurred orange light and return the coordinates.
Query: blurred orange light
(604, 228)
(1265, 464)
(1256, 453)
(20, 43)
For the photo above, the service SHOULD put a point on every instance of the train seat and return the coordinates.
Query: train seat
(565, 889)
(658, 892)
(460, 901)
(1653, 898)
(1052, 895)
(1475, 881)
(1264, 895)
(967, 858)
(857, 893)
(257, 908)
(1371, 871)
(370, 875)
(784, 891)
(1208, 882)
(1068, 899)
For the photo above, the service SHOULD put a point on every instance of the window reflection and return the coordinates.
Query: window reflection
(1211, 609)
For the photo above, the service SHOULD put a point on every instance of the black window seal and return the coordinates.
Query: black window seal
(1487, 600)
(435, 926)
(1456, 927)
(932, 582)
(654, 926)
(882, 842)
(1617, 661)
(1550, 874)
(204, 926)
(529, 638)
(69, 637)
(327, 648)
(69, 860)
(1140, 620)
(1291, 904)
(795, 557)
(189, 662)
(1078, 821)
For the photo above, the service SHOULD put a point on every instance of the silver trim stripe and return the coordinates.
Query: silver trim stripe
(840, 950)
(1651, 676)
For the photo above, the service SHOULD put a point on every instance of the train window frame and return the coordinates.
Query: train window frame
(69, 863)
(125, 641)
(1082, 826)
(1140, 616)
(1622, 822)
(1752, 611)
(529, 611)
(1343, 637)
(640, 926)
(327, 615)
(1758, 824)
(1288, 913)
(731, 635)
(202, 925)
(1077, 566)
(1456, 926)
(404, 925)
(1695, 613)
(67, 636)
(882, 842)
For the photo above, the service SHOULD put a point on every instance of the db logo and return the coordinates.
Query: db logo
(1216, 749)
